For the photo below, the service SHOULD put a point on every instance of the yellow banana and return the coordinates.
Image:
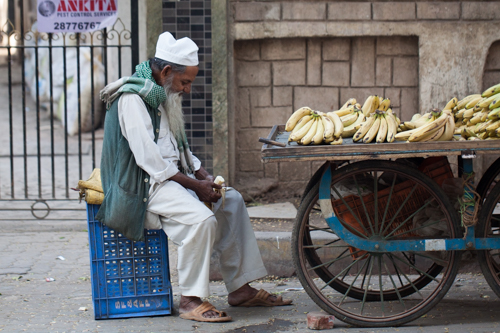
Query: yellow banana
(363, 129)
(482, 126)
(458, 130)
(337, 141)
(392, 128)
(329, 128)
(493, 126)
(451, 104)
(476, 118)
(473, 102)
(351, 129)
(349, 119)
(370, 105)
(429, 127)
(301, 132)
(367, 105)
(424, 119)
(382, 130)
(307, 139)
(493, 114)
(384, 105)
(343, 112)
(338, 127)
(462, 103)
(468, 113)
(491, 91)
(301, 123)
(495, 103)
(484, 116)
(372, 132)
(485, 102)
(350, 101)
(296, 116)
(415, 117)
(449, 130)
(320, 130)
(404, 135)
(460, 113)
(433, 136)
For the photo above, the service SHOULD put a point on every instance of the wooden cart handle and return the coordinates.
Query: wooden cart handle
(272, 142)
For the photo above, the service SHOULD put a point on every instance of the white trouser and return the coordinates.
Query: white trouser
(198, 232)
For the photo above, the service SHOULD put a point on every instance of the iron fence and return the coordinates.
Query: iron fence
(50, 112)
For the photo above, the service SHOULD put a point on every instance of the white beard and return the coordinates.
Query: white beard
(173, 107)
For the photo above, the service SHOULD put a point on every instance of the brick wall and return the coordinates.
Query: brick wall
(245, 11)
(274, 77)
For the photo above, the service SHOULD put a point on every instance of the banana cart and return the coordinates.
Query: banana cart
(380, 229)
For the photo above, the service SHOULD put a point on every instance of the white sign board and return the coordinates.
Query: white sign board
(75, 15)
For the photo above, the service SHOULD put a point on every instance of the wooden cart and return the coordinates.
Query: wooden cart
(380, 230)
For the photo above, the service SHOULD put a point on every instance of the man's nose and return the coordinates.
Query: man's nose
(187, 89)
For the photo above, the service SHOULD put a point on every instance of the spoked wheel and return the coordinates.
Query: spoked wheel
(488, 227)
(489, 179)
(376, 289)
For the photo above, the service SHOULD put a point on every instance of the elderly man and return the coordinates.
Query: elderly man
(152, 180)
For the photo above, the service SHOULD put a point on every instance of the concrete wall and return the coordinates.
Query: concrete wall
(283, 55)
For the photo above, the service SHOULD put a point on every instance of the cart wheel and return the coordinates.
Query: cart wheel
(489, 179)
(376, 289)
(487, 227)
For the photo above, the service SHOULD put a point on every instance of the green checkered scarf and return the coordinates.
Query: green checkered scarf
(143, 84)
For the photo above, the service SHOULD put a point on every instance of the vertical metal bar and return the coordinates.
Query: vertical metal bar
(38, 150)
(11, 15)
(92, 114)
(23, 87)
(134, 18)
(119, 47)
(51, 101)
(65, 90)
(105, 54)
(79, 105)
(11, 123)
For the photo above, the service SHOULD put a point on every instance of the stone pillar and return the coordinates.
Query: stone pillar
(222, 133)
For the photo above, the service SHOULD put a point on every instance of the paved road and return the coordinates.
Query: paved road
(30, 304)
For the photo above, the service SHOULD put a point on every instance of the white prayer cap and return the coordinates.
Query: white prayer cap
(182, 51)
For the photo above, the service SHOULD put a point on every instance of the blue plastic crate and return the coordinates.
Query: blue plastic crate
(129, 279)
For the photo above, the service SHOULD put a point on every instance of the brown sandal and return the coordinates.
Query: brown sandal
(197, 314)
(262, 299)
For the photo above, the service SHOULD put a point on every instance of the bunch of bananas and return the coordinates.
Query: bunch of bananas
(373, 103)
(477, 116)
(351, 116)
(379, 126)
(437, 125)
(314, 127)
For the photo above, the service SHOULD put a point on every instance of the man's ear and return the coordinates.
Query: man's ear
(165, 72)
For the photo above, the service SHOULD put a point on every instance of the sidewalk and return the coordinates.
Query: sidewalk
(30, 304)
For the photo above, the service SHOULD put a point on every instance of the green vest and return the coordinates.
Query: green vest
(125, 185)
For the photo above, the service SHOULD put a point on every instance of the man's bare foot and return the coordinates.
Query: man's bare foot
(243, 294)
(189, 303)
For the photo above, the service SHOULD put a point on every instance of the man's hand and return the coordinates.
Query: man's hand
(205, 191)
(203, 186)
(203, 174)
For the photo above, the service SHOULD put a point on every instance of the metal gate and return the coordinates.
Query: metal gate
(50, 112)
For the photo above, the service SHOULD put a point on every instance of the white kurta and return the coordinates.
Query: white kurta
(185, 219)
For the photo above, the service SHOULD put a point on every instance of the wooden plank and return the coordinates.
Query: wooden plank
(356, 151)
